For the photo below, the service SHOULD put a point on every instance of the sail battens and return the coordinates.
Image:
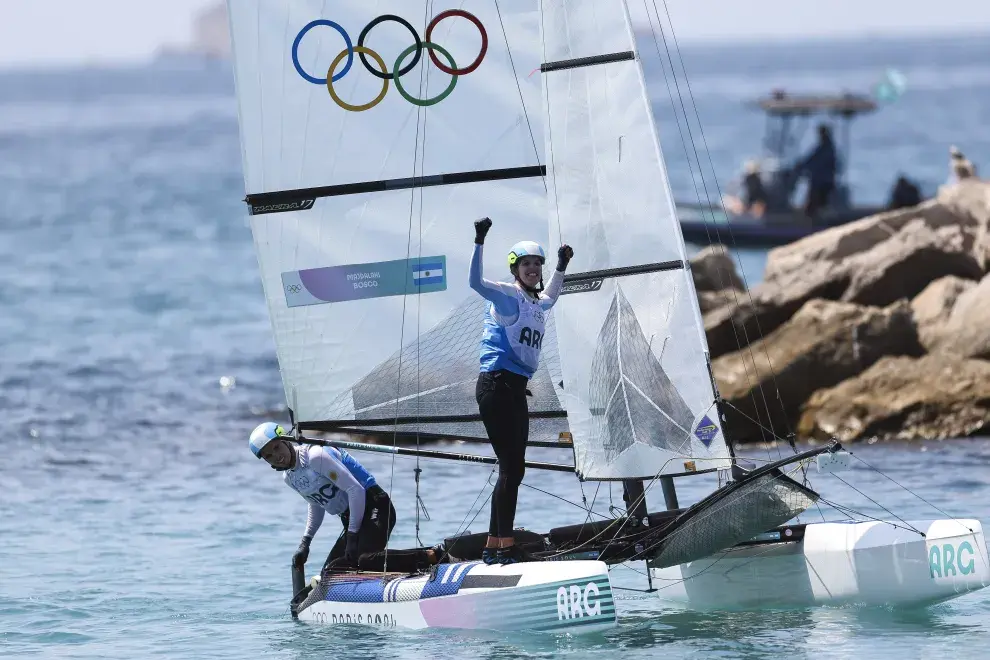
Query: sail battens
(626, 270)
(302, 199)
(418, 419)
(636, 476)
(429, 453)
(421, 435)
(578, 62)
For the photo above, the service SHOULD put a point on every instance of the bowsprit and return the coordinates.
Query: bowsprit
(398, 70)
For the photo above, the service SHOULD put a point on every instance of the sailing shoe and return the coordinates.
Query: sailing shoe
(512, 554)
(490, 556)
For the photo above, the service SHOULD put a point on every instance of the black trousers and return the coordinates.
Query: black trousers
(376, 527)
(502, 403)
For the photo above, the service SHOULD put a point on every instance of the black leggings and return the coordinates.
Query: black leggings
(501, 399)
(376, 527)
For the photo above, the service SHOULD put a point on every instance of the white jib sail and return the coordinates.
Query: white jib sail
(633, 353)
(367, 281)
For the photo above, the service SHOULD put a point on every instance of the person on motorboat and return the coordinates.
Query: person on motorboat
(755, 195)
(510, 354)
(331, 481)
(821, 167)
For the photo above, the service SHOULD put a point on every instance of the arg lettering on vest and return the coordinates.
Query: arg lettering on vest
(325, 494)
(531, 338)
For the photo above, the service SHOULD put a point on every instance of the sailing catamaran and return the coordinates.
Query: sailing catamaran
(369, 147)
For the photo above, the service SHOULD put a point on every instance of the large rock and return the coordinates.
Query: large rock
(714, 270)
(873, 261)
(933, 308)
(756, 313)
(966, 332)
(907, 262)
(829, 253)
(824, 343)
(937, 396)
(711, 300)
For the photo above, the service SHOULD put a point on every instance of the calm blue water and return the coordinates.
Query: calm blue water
(133, 521)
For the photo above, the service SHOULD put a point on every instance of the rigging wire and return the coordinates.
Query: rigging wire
(549, 127)
(849, 510)
(462, 526)
(878, 504)
(593, 500)
(694, 181)
(759, 329)
(398, 384)
(884, 474)
(589, 511)
(420, 112)
(522, 101)
(719, 242)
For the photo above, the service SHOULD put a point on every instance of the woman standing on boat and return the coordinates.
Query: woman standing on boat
(510, 355)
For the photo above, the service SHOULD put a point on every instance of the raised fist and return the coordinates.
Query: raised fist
(481, 228)
(564, 255)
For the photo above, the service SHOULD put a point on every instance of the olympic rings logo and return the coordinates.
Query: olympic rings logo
(293, 288)
(397, 70)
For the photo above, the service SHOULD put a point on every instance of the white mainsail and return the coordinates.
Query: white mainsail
(639, 396)
(366, 275)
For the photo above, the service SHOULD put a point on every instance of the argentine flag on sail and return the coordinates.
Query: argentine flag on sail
(427, 273)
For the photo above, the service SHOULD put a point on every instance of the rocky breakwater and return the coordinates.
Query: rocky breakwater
(879, 328)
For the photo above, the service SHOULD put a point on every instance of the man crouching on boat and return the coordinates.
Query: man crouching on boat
(333, 482)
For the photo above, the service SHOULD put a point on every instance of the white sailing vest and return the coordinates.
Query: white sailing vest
(315, 487)
(525, 335)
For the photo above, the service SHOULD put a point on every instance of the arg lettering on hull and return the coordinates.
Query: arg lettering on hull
(948, 559)
(574, 602)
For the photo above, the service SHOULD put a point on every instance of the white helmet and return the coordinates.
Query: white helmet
(262, 435)
(526, 249)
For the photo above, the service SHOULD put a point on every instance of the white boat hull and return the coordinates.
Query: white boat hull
(572, 597)
(869, 563)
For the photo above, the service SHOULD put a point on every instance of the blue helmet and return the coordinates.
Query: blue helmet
(262, 435)
(526, 249)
